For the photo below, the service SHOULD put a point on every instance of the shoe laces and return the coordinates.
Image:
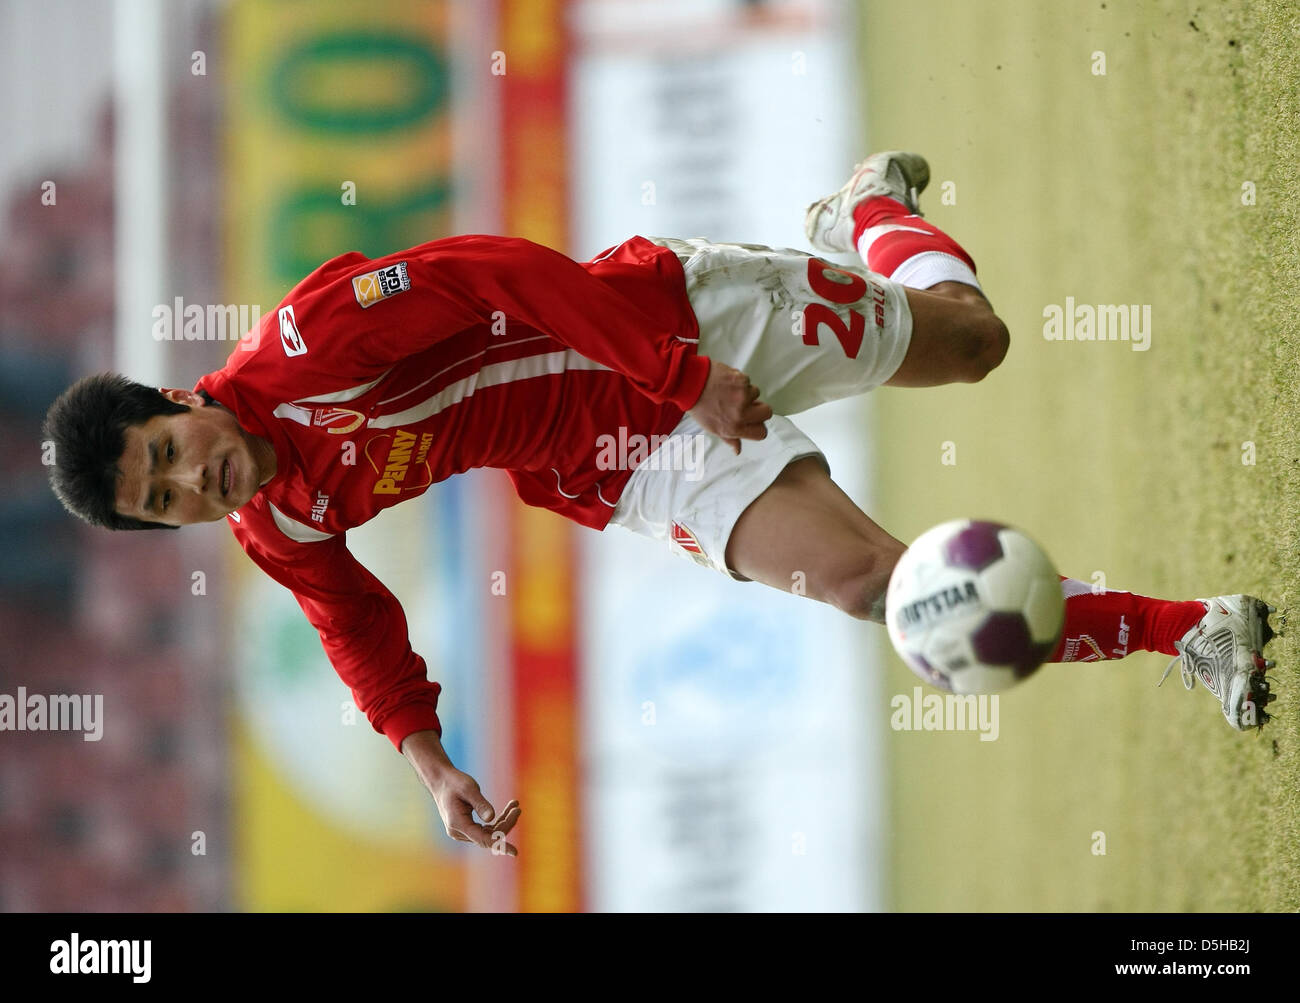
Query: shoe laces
(1213, 661)
(1189, 677)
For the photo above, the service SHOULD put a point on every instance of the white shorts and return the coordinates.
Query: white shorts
(805, 332)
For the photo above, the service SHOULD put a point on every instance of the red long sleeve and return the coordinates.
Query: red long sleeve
(460, 282)
(361, 624)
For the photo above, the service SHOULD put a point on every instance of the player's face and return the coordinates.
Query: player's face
(194, 467)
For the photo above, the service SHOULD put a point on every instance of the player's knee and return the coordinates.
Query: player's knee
(986, 345)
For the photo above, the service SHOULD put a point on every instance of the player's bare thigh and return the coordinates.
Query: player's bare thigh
(805, 534)
(956, 337)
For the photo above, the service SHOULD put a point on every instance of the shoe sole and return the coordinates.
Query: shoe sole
(914, 168)
(1258, 691)
(916, 172)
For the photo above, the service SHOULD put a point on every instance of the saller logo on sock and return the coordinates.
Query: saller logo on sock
(374, 286)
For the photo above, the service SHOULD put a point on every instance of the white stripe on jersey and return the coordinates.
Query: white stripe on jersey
(351, 393)
(494, 375)
(508, 344)
(302, 415)
(296, 530)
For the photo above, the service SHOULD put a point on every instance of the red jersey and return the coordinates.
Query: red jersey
(375, 378)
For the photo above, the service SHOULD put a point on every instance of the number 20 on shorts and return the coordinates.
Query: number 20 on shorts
(840, 287)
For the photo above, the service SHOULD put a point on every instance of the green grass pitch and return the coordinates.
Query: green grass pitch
(1117, 188)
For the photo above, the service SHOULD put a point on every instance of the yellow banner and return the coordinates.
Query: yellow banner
(337, 137)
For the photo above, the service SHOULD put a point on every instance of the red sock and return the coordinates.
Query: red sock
(1108, 624)
(894, 236)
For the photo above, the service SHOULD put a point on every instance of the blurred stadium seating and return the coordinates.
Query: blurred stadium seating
(97, 826)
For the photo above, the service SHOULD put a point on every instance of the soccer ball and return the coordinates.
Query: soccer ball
(974, 607)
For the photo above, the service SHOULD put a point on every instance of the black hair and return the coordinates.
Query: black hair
(87, 426)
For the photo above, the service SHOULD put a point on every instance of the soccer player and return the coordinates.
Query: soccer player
(376, 378)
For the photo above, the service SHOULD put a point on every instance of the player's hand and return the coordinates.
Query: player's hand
(458, 797)
(729, 406)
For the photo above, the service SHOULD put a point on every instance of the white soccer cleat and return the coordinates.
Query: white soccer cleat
(896, 175)
(1225, 651)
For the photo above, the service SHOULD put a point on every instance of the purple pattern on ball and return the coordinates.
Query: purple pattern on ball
(929, 673)
(1041, 652)
(1003, 639)
(975, 547)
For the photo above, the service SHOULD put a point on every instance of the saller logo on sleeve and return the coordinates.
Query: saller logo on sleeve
(289, 336)
(374, 286)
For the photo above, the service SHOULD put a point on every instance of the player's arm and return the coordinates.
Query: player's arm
(364, 632)
(485, 279)
(459, 282)
(457, 796)
(362, 628)
(438, 289)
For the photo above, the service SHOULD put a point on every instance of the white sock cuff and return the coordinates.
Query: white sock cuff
(929, 268)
